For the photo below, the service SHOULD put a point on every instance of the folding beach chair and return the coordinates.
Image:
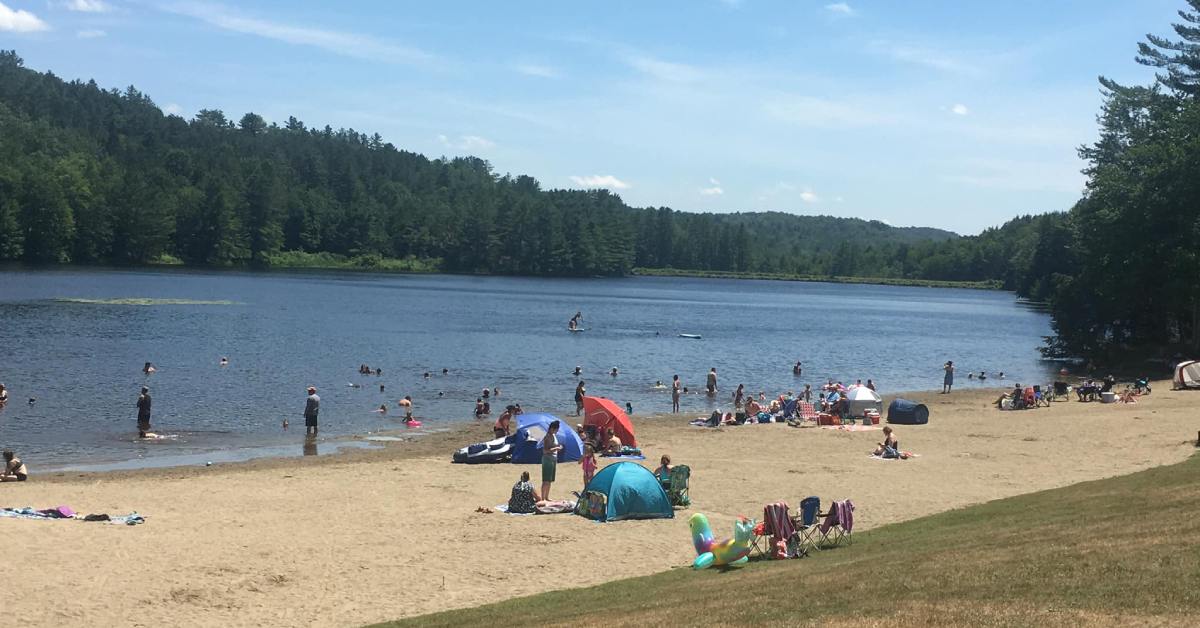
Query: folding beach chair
(806, 526)
(773, 537)
(678, 490)
(807, 412)
(1062, 390)
(838, 525)
(1040, 397)
(789, 409)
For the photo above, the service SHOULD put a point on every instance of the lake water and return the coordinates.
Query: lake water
(76, 340)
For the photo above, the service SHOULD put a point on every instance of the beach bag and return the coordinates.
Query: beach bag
(581, 505)
(597, 505)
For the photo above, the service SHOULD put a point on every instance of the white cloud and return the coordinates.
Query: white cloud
(960, 109)
(344, 43)
(714, 190)
(173, 109)
(664, 70)
(818, 112)
(926, 57)
(19, 21)
(467, 142)
(538, 70)
(841, 8)
(808, 196)
(90, 33)
(89, 6)
(600, 181)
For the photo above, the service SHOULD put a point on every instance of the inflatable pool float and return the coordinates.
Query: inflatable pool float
(498, 450)
(692, 336)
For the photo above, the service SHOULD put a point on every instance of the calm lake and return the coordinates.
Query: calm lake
(76, 340)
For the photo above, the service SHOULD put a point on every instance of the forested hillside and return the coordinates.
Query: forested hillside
(89, 175)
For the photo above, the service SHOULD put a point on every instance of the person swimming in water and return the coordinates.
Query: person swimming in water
(148, 368)
(382, 408)
(613, 372)
(578, 371)
(224, 361)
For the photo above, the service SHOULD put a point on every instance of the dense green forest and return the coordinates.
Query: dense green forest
(89, 175)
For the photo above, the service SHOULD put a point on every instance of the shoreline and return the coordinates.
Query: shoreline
(331, 539)
(397, 267)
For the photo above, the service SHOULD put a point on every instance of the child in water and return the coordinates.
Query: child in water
(588, 462)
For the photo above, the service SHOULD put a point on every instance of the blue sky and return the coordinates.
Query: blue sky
(953, 114)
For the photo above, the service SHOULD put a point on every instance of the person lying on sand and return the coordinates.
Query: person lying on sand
(14, 469)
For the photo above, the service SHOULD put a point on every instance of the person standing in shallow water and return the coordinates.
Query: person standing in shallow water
(676, 390)
(312, 407)
(712, 381)
(948, 380)
(580, 391)
(143, 406)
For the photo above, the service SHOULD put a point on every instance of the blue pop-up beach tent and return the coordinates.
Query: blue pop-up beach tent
(633, 492)
(532, 428)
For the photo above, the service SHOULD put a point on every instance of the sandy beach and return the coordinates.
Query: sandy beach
(375, 535)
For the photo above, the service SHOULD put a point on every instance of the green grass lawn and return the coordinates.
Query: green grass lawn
(1121, 551)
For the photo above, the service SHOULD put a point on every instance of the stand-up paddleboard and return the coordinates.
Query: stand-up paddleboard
(692, 336)
(575, 329)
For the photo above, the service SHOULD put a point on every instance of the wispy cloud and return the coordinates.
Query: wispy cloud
(538, 70)
(466, 142)
(959, 109)
(841, 9)
(925, 56)
(663, 70)
(91, 33)
(822, 113)
(715, 189)
(20, 21)
(349, 44)
(600, 181)
(808, 196)
(88, 6)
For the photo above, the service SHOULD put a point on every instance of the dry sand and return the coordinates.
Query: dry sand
(372, 536)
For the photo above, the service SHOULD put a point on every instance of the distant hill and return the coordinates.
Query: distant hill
(91, 175)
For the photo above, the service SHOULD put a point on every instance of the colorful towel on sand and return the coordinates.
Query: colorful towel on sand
(625, 457)
(65, 512)
(852, 428)
(904, 455)
(543, 508)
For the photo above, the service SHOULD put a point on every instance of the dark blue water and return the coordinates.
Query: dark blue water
(282, 332)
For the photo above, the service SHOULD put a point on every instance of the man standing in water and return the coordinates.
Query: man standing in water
(312, 407)
(143, 406)
(406, 403)
(676, 390)
(712, 381)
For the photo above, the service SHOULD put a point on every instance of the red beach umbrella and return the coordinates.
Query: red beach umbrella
(605, 413)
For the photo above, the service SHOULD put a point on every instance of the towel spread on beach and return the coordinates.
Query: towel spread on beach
(852, 428)
(903, 456)
(543, 508)
(625, 457)
(65, 512)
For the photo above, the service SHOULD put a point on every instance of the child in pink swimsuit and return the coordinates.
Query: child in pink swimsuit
(589, 464)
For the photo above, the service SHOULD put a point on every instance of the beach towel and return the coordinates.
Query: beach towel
(555, 507)
(779, 524)
(904, 455)
(66, 512)
(504, 509)
(624, 457)
(852, 428)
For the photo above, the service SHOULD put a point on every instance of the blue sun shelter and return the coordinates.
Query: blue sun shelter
(633, 492)
(532, 428)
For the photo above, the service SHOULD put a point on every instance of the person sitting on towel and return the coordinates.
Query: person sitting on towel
(524, 497)
(612, 444)
(890, 447)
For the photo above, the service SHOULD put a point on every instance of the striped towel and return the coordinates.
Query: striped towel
(779, 524)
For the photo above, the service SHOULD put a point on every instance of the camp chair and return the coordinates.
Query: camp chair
(807, 412)
(789, 408)
(838, 525)
(1062, 390)
(678, 489)
(806, 526)
(1040, 397)
(775, 528)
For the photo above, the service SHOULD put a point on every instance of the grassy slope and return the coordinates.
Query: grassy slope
(1123, 551)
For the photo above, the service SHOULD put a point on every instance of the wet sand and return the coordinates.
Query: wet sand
(367, 536)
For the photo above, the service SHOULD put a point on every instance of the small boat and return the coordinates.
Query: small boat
(692, 336)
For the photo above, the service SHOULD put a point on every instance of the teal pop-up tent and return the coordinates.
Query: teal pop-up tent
(633, 492)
